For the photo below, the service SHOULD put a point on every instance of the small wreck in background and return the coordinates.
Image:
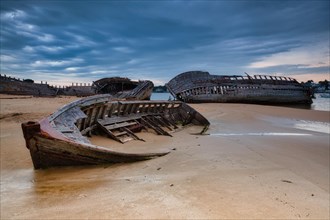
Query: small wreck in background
(121, 87)
(199, 86)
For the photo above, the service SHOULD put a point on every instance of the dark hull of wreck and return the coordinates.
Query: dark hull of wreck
(17, 87)
(60, 139)
(124, 88)
(261, 96)
(142, 91)
(121, 88)
(201, 87)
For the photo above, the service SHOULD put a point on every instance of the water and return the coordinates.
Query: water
(161, 96)
(319, 103)
(322, 127)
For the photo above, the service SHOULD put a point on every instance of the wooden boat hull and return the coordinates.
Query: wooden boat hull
(47, 151)
(124, 88)
(58, 140)
(197, 87)
(117, 86)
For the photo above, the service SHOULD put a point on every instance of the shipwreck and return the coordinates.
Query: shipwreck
(62, 138)
(199, 86)
(121, 87)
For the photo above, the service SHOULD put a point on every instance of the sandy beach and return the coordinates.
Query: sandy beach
(255, 162)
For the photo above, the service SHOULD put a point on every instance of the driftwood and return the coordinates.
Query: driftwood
(61, 138)
(198, 86)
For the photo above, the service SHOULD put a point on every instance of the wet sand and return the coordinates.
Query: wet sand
(257, 162)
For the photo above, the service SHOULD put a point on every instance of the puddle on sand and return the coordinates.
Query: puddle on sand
(317, 126)
(260, 134)
(322, 127)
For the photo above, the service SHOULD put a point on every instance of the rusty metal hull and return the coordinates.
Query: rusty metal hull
(60, 139)
(198, 86)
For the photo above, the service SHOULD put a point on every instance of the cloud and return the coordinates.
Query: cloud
(72, 69)
(302, 62)
(123, 49)
(48, 49)
(134, 61)
(56, 63)
(46, 38)
(7, 58)
(12, 15)
(157, 40)
(314, 55)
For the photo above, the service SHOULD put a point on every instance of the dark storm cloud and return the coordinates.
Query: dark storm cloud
(158, 39)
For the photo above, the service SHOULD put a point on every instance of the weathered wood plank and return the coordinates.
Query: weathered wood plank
(169, 122)
(109, 133)
(117, 119)
(132, 134)
(120, 125)
(154, 126)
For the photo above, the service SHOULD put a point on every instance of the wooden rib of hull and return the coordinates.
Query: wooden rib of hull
(59, 140)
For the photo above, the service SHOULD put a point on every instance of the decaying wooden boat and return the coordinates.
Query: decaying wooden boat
(198, 86)
(121, 87)
(61, 139)
(13, 86)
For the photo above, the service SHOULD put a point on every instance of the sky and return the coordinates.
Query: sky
(62, 42)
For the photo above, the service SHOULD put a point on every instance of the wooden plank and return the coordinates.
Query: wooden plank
(109, 133)
(81, 102)
(117, 134)
(124, 109)
(150, 126)
(93, 117)
(104, 111)
(88, 113)
(132, 134)
(147, 102)
(64, 129)
(119, 125)
(164, 106)
(154, 126)
(119, 109)
(110, 109)
(116, 119)
(142, 125)
(144, 108)
(100, 114)
(134, 108)
(79, 124)
(161, 122)
(87, 130)
(168, 121)
(129, 109)
(126, 139)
